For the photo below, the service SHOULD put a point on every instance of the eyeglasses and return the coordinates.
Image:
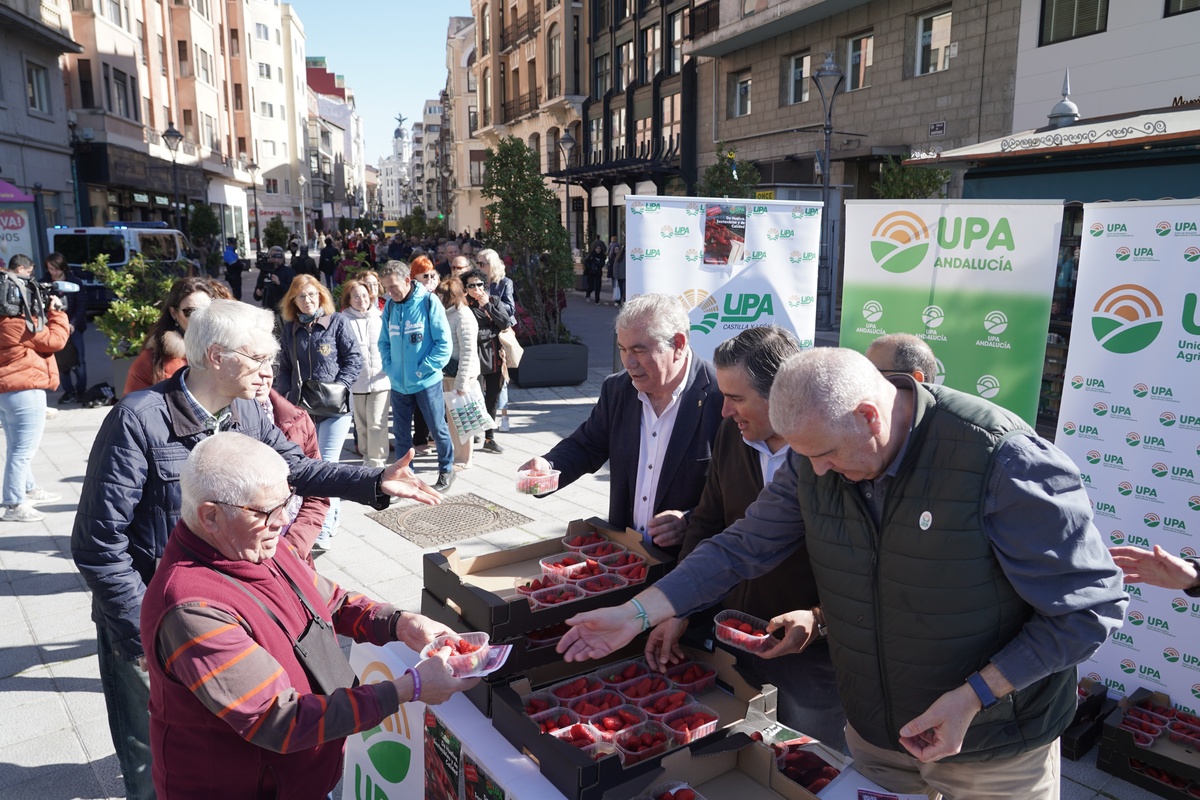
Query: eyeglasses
(260, 361)
(309, 296)
(474, 285)
(272, 517)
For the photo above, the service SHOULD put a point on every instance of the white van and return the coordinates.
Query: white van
(118, 240)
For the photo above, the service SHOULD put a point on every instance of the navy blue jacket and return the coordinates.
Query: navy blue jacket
(130, 500)
(612, 433)
(330, 347)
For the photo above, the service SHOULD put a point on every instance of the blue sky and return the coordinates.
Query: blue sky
(391, 52)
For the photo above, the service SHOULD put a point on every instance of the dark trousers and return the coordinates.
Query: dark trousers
(592, 282)
(492, 384)
(420, 428)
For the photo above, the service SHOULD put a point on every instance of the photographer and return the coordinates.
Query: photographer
(33, 327)
(274, 280)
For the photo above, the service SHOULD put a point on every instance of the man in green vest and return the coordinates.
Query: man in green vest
(960, 576)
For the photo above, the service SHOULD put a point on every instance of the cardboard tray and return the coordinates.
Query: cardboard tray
(1117, 747)
(735, 768)
(580, 778)
(480, 590)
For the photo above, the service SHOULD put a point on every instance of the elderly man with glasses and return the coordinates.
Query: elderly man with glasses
(131, 496)
(241, 639)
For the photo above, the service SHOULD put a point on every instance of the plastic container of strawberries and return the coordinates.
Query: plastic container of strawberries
(555, 596)
(692, 677)
(572, 688)
(461, 663)
(685, 734)
(668, 701)
(618, 673)
(527, 586)
(630, 566)
(529, 483)
(593, 702)
(615, 720)
(553, 719)
(731, 629)
(644, 686)
(560, 563)
(579, 735)
(602, 750)
(574, 544)
(537, 702)
(603, 549)
(673, 790)
(643, 741)
(602, 584)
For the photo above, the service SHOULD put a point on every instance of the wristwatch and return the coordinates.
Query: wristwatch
(819, 621)
(982, 691)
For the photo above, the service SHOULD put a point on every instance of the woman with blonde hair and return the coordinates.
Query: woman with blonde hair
(463, 370)
(370, 395)
(319, 356)
(500, 286)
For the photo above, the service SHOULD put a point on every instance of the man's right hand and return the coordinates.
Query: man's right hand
(595, 634)
(662, 650)
(438, 684)
(537, 465)
(1157, 567)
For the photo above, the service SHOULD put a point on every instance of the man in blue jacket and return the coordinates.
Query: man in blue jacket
(415, 346)
(131, 498)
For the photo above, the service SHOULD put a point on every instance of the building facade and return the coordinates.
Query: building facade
(460, 126)
(35, 124)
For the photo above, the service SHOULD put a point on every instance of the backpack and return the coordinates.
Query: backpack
(102, 394)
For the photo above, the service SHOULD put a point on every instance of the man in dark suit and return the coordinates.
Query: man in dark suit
(654, 424)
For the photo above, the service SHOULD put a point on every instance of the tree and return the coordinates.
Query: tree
(523, 218)
(900, 181)
(415, 222)
(276, 233)
(205, 231)
(729, 177)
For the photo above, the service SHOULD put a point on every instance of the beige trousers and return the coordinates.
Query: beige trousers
(1035, 775)
(372, 415)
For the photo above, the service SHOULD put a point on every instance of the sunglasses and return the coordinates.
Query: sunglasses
(474, 285)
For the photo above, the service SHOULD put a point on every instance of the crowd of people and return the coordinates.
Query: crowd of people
(930, 563)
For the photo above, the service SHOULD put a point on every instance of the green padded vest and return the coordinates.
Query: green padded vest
(913, 612)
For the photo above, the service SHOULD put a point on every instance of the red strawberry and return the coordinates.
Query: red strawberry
(684, 794)
(630, 672)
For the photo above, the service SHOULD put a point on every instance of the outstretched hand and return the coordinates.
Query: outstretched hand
(1157, 567)
(400, 481)
(595, 634)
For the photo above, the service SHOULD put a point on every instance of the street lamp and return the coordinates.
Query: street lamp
(830, 81)
(252, 168)
(447, 204)
(172, 138)
(566, 143)
(301, 182)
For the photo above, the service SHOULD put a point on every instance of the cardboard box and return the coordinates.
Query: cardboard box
(580, 778)
(480, 590)
(736, 768)
(1119, 755)
(1084, 729)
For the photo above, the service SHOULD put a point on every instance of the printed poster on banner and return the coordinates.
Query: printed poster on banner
(388, 761)
(16, 234)
(972, 278)
(735, 264)
(1130, 419)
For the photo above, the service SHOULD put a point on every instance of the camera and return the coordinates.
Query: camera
(29, 298)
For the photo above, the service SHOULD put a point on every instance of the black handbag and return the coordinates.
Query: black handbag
(318, 398)
(451, 368)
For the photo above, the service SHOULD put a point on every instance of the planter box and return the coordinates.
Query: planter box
(552, 365)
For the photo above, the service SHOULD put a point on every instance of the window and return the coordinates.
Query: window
(603, 16)
(279, 74)
(1070, 19)
(621, 7)
(237, 97)
(595, 141)
(141, 28)
(135, 99)
(739, 101)
(797, 78)
(264, 69)
(128, 17)
(616, 119)
(1181, 7)
(87, 91)
(204, 61)
(189, 126)
(677, 22)
(485, 31)
(477, 163)
(235, 43)
(643, 137)
(278, 40)
(651, 52)
(37, 84)
(262, 32)
(162, 54)
(209, 125)
(933, 42)
(271, 185)
(749, 7)
(672, 114)
(554, 62)
(120, 82)
(267, 109)
(859, 55)
(181, 48)
(472, 121)
(600, 77)
(114, 12)
(287, 186)
(626, 63)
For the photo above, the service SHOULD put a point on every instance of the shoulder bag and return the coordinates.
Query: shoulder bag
(319, 398)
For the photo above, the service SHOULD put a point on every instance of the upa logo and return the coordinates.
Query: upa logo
(1125, 488)
(1163, 228)
(1150, 520)
(1140, 390)
(1096, 229)
(1174, 525)
(1194, 502)
(900, 241)
(1128, 666)
(1158, 469)
(1123, 253)
(1136, 618)
(1185, 474)
(1179, 605)
(1117, 537)
(756, 255)
(1170, 655)
(774, 234)
(798, 257)
(674, 231)
(798, 301)
(1093, 456)
(995, 322)
(1191, 255)
(1147, 493)
(1158, 624)
(1123, 639)
(638, 254)
(700, 303)
(1133, 590)
(1104, 508)
(693, 209)
(691, 255)
(1166, 419)
(805, 212)
(642, 207)
(1069, 429)
(988, 386)
(933, 316)
(1133, 439)
(748, 307)
(1127, 318)
(1100, 409)
(1077, 382)
(872, 311)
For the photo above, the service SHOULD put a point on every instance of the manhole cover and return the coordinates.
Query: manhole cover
(459, 517)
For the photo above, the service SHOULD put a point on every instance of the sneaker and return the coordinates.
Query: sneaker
(69, 397)
(322, 544)
(422, 449)
(23, 513)
(504, 426)
(40, 496)
(491, 446)
(443, 482)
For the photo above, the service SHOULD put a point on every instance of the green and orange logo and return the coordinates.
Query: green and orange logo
(1096, 229)
(1194, 502)
(1191, 255)
(1127, 318)
(900, 241)
(1069, 429)
(1166, 419)
(1140, 390)
(1163, 229)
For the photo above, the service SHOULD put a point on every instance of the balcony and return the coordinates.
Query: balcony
(712, 36)
(555, 86)
(524, 26)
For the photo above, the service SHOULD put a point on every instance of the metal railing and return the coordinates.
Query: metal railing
(554, 86)
(519, 29)
(706, 18)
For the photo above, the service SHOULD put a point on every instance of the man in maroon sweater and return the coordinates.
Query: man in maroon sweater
(237, 709)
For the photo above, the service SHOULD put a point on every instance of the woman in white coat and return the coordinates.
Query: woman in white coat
(462, 372)
(370, 395)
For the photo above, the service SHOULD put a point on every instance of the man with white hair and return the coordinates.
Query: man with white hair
(654, 424)
(130, 499)
(960, 576)
(242, 648)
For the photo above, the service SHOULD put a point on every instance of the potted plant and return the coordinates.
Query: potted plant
(138, 289)
(522, 218)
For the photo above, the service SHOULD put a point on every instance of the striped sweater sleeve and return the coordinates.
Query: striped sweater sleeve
(210, 650)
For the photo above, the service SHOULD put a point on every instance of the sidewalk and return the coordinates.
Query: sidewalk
(55, 742)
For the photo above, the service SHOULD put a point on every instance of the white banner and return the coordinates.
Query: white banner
(972, 278)
(1130, 419)
(735, 264)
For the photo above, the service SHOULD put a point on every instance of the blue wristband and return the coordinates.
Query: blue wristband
(982, 690)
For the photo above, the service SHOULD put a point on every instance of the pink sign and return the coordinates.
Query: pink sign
(11, 194)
